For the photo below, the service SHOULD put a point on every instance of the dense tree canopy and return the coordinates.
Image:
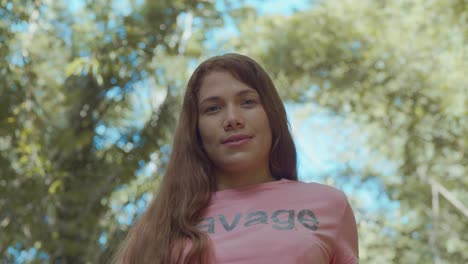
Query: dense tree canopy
(90, 92)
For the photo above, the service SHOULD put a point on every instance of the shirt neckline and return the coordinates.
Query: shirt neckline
(247, 191)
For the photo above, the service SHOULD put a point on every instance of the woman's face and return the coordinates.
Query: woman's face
(233, 124)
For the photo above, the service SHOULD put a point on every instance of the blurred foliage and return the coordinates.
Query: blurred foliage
(89, 95)
(398, 69)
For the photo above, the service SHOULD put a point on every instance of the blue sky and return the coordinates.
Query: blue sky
(279, 6)
(262, 6)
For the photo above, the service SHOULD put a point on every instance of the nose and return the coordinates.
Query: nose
(233, 119)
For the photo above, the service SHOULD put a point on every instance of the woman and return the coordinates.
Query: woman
(230, 193)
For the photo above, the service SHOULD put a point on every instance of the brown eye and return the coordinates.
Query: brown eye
(212, 109)
(249, 102)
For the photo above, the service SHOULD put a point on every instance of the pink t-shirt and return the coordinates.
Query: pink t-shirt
(282, 222)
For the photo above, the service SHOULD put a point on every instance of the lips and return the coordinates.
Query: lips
(236, 138)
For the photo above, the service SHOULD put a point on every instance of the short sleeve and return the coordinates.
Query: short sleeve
(346, 241)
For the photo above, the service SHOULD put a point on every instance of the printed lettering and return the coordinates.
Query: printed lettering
(259, 217)
(281, 223)
(226, 225)
(281, 220)
(210, 226)
(308, 220)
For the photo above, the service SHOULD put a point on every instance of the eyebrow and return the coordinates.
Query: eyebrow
(240, 93)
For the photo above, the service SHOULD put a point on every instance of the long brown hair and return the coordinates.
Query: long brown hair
(185, 191)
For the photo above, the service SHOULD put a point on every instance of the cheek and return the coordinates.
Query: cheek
(205, 132)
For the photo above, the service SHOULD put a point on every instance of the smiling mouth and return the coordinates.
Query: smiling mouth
(236, 139)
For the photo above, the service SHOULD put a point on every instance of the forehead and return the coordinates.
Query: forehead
(221, 83)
